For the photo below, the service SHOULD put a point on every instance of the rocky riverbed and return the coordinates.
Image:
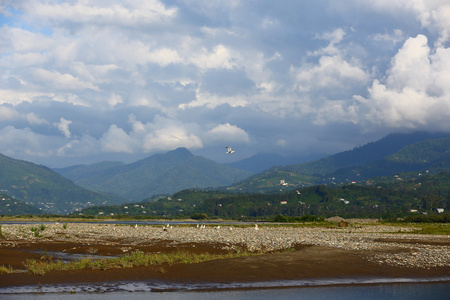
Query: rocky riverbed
(380, 244)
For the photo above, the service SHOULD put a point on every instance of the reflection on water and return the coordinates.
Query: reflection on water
(407, 291)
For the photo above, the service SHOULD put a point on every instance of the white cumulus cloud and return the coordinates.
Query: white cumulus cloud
(415, 93)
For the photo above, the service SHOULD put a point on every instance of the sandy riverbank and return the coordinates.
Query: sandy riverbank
(363, 251)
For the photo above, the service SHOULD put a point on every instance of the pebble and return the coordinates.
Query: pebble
(367, 238)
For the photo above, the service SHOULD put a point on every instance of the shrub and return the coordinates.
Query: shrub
(6, 269)
(281, 218)
(199, 216)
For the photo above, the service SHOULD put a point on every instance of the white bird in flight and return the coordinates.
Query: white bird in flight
(229, 150)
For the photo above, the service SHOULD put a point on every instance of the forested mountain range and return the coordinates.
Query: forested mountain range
(394, 153)
(45, 189)
(387, 161)
(158, 174)
(263, 161)
(390, 197)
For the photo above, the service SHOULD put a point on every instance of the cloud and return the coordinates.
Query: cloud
(22, 41)
(63, 127)
(330, 72)
(415, 93)
(219, 57)
(34, 119)
(395, 37)
(61, 81)
(121, 79)
(25, 143)
(117, 140)
(130, 13)
(212, 101)
(434, 14)
(159, 135)
(8, 113)
(228, 133)
(333, 70)
(79, 147)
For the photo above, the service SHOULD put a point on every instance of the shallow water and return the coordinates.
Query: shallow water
(407, 291)
(152, 287)
(65, 257)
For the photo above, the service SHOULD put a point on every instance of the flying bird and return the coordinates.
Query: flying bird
(229, 150)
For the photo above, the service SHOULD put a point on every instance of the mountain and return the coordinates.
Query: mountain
(45, 189)
(158, 174)
(389, 198)
(364, 154)
(11, 207)
(393, 153)
(263, 161)
(78, 172)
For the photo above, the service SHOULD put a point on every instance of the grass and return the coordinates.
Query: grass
(6, 269)
(424, 228)
(1, 233)
(432, 228)
(134, 259)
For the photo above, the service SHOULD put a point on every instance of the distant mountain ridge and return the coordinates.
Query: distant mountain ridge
(39, 187)
(45, 189)
(393, 153)
(364, 154)
(158, 174)
(263, 161)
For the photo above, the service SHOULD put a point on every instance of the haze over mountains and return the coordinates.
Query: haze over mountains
(107, 183)
(158, 174)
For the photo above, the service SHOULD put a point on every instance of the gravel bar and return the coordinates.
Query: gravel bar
(381, 244)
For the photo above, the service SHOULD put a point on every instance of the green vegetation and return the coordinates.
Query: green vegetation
(400, 175)
(392, 154)
(434, 228)
(135, 259)
(306, 218)
(158, 174)
(43, 190)
(437, 228)
(6, 269)
(199, 216)
(12, 206)
(1, 233)
(383, 198)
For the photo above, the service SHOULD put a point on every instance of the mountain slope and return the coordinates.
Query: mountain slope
(10, 207)
(433, 155)
(263, 161)
(45, 189)
(361, 155)
(158, 174)
(394, 153)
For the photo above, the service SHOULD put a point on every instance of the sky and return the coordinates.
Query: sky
(83, 81)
